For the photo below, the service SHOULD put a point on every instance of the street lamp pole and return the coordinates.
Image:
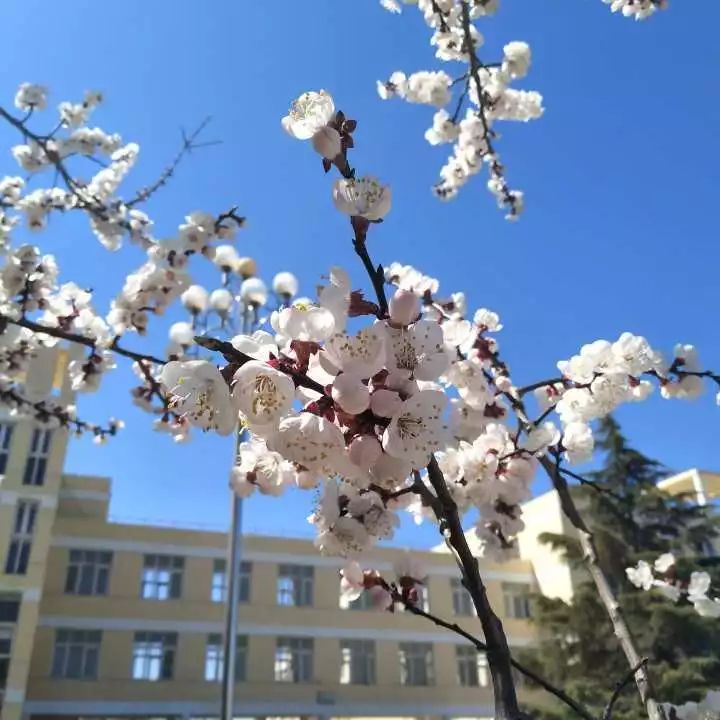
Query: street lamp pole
(227, 303)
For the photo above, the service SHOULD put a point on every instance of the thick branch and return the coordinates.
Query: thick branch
(607, 597)
(480, 645)
(498, 652)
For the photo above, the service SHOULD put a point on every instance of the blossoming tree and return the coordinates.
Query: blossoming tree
(396, 398)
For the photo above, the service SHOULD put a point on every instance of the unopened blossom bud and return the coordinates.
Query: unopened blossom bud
(182, 333)
(365, 451)
(285, 284)
(226, 257)
(245, 267)
(327, 143)
(404, 307)
(253, 291)
(195, 299)
(350, 393)
(221, 300)
(385, 403)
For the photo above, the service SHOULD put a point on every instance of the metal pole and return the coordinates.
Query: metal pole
(232, 568)
(233, 564)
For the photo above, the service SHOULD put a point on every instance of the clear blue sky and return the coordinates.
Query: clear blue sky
(621, 177)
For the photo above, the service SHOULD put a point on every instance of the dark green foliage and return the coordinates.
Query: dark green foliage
(631, 519)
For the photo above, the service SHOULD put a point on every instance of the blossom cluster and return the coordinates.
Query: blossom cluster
(485, 86)
(662, 576)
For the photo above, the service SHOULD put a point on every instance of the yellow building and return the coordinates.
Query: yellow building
(104, 620)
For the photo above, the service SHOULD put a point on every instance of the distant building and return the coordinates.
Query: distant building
(102, 620)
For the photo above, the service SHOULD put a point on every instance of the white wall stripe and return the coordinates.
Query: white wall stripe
(245, 628)
(260, 556)
(247, 708)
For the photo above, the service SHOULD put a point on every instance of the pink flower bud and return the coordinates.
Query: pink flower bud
(350, 393)
(385, 403)
(365, 451)
(327, 143)
(404, 307)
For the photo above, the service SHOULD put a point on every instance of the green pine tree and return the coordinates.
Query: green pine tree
(631, 519)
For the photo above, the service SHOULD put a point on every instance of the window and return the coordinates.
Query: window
(295, 585)
(153, 655)
(76, 654)
(293, 660)
(37, 459)
(357, 662)
(472, 667)
(162, 577)
(214, 658)
(18, 555)
(6, 431)
(219, 587)
(516, 597)
(88, 572)
(5, 647)
(462, 600)
(416, 663)
(362, 602)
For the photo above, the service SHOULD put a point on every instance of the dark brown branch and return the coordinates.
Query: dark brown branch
(607, 713)
(498, 652)
(231, 354)
(480, 645)
(80, 339)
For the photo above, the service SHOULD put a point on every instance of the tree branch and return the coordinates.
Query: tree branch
(498, 652)
(480, 645)
(607, 713)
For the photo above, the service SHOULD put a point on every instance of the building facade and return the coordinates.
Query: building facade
(103, 620)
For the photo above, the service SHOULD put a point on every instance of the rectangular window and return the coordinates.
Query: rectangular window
(219, 587)
(416, 663)
(357, 662)
(18, 555)
(295, 585)
(153, 655)
(516, 597)
(6, 430)
(36, 464)
(461, 598)
(76, 654)
(293, 660)
(88, 572)
(215, 654)
(472, 667)
(5, 647)
(362, 602)
(162, 577)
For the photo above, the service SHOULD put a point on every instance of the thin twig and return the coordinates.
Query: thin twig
(607, 713)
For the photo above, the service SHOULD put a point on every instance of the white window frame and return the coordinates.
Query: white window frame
(215, 658)
(417, 664)
(93, 564)
(461, 599)
(152, 654)
(472, 667)
(68, 642)
(21, 537)
(516, 600)
(37, 459)
(6, 432)
(294, 659)
(162, 577)
(358, 662)
(295, 585)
